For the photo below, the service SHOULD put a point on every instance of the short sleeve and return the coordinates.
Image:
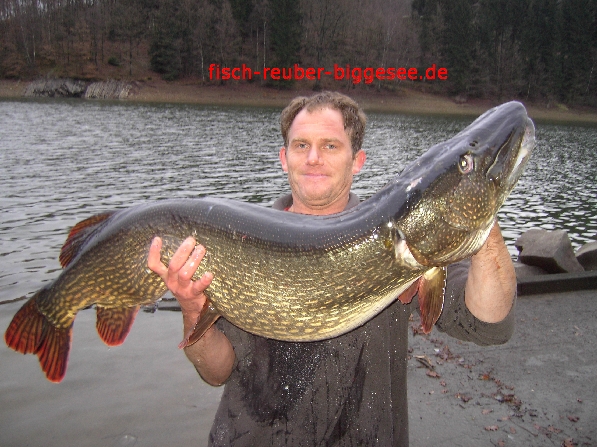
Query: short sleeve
(457, 321)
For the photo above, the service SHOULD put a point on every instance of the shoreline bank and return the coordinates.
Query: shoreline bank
(405, 100)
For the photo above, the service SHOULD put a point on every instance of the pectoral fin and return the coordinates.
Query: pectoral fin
(408, 295)
(208, 316)
(432, 287)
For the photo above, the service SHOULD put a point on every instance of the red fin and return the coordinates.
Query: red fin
(53, 352)
(114, 323)
(30, 332)
(78, 234)
(408, 295)
(25, 330)
(207, 317)
(432, 286)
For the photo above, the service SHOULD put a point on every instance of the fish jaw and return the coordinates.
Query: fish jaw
(524, 153)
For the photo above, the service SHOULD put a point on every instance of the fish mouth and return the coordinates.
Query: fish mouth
(511, 157)
(524, 152)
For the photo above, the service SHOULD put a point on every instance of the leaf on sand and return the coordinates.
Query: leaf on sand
(433, 374)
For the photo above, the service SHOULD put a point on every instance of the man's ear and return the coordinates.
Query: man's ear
(282, 156)
(358, 161)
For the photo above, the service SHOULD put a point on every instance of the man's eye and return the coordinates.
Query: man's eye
(330, 146)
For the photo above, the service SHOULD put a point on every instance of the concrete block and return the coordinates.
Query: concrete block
(549, 250)
(587, 256)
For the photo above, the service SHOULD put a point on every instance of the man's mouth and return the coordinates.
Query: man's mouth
(314, 175)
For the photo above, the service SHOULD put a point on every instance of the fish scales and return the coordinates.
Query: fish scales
(295, 288)
(283, 275)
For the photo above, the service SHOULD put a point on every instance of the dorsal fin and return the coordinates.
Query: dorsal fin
(78, 234)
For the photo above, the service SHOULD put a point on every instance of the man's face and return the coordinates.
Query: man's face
(319, 162)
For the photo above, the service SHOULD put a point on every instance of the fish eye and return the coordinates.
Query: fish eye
(466, 164)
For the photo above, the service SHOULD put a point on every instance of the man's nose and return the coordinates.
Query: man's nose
(314, 156)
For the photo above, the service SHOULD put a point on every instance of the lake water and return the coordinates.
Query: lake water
(63, 160)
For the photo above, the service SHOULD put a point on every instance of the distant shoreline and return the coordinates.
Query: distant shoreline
(250, 95)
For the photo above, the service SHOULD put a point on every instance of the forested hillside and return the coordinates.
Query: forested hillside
(541, 50)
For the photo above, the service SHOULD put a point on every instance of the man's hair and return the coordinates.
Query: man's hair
(353, 116)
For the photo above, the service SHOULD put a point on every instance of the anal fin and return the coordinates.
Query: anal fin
(114, 323)
(207, 317)
(432, 287)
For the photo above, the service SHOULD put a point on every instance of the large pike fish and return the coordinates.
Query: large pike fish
(283, 275)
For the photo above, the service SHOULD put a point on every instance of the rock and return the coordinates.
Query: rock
(549, 250)
(66, 88)
(587, 256)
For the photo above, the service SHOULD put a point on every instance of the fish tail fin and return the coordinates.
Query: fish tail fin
(114, 323)
(26, 328)
(53, 352)
(208, 316)
(30, 332)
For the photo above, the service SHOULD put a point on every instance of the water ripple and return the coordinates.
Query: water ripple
(64, 160)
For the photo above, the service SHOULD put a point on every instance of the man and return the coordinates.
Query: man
(349, 390)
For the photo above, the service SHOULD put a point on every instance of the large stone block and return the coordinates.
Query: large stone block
(587, 256)
(526, 271)
(549, 250)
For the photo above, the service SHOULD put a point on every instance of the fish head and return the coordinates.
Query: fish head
(459, 185)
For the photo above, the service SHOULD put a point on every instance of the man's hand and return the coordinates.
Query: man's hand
(178, 275)
(491, 284)
(213, 355)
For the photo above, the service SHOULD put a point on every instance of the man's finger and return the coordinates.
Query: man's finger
(202, 283)
(188, 270)
(181, 255)
(154, 257)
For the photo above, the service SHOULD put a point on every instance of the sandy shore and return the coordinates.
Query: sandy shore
(251, 95)
(538, 389)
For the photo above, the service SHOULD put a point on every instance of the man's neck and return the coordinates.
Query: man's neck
(332, 208)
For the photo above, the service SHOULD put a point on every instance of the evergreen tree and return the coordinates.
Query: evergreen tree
(164, 52)
(539, 48)
(458, 39)
(285, 36)
(578, 21)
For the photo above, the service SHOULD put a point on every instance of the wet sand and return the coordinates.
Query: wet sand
(143, 393)
(539, 389)
(403, 100)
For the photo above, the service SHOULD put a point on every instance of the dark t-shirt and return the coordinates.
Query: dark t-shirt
(345, 391)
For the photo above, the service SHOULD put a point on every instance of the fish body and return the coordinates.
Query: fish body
(284, 275)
